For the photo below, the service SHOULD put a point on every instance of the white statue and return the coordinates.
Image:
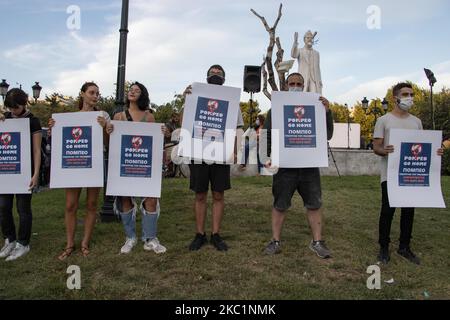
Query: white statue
(308, 62)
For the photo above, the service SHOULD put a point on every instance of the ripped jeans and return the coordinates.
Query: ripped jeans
(149, 219)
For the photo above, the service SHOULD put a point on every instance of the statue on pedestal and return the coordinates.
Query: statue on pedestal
(308, 62)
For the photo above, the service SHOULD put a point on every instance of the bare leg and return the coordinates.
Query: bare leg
(200, 211)
(91, 216)
(72, 197)
(218, 209)
(277, 223)
(127, 204)
(150, 204)
(315, 222)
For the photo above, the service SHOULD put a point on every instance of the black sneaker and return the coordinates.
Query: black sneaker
(408, 255)
(383, 256)
(198, 242)
(218, 242)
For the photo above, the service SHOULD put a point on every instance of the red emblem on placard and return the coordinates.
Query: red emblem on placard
(77, 133)
(136, 142)
(299, 112)
(416, 150)
(6, 139)
(213, 105)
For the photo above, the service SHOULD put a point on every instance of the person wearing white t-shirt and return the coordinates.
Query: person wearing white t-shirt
(399, 118)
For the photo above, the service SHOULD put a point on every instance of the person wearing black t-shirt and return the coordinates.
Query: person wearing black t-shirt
(17, 245)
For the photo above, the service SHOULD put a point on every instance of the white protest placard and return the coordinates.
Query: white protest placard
(77, 151)
(301, 138)
(414, 169)
(209, 123)
(15, 156)
(135, 159)
(346, 135)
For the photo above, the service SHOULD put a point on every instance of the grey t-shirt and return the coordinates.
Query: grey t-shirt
(382, 131)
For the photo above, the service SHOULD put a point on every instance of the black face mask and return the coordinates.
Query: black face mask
(217, 80)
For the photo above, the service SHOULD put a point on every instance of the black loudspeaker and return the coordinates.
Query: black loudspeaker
(252, 79)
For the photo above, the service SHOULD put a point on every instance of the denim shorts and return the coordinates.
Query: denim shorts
(305, 181)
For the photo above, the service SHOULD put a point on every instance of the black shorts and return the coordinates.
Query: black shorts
(305, 181)
(202, 174)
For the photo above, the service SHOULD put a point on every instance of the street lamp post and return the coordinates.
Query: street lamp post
(432, 80)
(375, 111)
(107, 211)
(36, 91)
(4, 89)
(348, 126)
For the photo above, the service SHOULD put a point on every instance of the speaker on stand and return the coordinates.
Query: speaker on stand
(252, 84)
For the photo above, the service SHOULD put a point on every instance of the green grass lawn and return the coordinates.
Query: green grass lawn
(351, 210)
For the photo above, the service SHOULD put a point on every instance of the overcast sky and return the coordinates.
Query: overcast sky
(171, 43)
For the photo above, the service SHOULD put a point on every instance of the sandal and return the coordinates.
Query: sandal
(85, 251)
(67, 252)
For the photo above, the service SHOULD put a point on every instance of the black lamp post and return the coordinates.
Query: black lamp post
(4, 89)
(36, 91)
(348, 126)
(432, 80)
(107, 213)
(375, 111)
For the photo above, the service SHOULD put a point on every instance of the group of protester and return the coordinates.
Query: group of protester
(203, 177)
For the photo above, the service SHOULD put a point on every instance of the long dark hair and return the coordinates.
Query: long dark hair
(84, 88)
(143, 102)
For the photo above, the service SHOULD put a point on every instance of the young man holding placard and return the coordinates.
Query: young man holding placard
(202, 174)
(399, 118)
(306, 181)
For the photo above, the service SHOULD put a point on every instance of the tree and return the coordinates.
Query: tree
(421, 109)
(341, 113)
(267, 66)
(245, 109)
(164, 112)
(107, 104)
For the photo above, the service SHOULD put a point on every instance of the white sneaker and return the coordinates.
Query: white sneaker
(19, 251)
(128, 246)
(7, 248)
(154, 245)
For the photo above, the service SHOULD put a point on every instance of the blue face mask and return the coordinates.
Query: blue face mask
(295, 89)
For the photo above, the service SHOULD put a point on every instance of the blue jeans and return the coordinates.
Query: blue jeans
(149, 219)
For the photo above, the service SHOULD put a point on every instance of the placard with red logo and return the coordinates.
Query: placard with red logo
(136, 156)
(135, 159)
(299, 126)
(209, 126)
(414, 169)
(10, 161)
(15, 156)
(77, 147)
(77, 150)
(415, 164)
(299, 130)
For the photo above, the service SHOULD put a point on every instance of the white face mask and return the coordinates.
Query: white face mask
(295, 89)
(406, 103)
(257, 122)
